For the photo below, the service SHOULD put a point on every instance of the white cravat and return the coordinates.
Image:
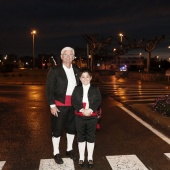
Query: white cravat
(85, 95)
(71, 79)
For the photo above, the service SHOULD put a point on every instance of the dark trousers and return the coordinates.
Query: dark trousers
(86, 128)
(65, 119)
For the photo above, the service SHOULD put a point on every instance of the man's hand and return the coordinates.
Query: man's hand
(54, 111)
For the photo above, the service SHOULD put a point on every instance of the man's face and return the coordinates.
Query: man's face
(67, 57)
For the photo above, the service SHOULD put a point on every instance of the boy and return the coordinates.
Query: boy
(86, 99)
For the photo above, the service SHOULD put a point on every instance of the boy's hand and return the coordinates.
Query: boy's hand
(87, 112)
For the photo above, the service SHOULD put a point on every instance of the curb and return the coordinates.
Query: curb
(156, 117)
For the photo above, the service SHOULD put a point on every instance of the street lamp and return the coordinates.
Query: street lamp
(33, 32)
(121, 35)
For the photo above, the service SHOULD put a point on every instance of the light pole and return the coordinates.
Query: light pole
(121, 35)
(33, 32)
(121, 50)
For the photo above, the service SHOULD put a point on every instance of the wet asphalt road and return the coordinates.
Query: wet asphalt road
(25, 135)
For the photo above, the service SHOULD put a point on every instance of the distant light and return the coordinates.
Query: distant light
(123, 68)
(5, 57)
(169, 46)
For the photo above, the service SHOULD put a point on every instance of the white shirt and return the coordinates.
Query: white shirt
(71, 79)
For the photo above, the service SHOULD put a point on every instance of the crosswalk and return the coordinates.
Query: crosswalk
(134, 93)
(2, 163)
(116, 162)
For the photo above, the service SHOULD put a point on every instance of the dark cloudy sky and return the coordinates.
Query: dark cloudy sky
(61, 23)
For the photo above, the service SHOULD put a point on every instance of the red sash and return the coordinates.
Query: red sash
(66, 103)
(81, 114)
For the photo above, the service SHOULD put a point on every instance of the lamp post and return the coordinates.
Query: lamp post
(121, 35)
(33, 32)
(121, 51)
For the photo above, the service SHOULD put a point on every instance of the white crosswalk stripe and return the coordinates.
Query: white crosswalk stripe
(2, 163)
(49, 164)
(125, 162)
(167, 154)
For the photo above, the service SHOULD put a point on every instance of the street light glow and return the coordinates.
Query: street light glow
(33, 32)
(121, 35)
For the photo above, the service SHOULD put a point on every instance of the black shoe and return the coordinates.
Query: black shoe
(90, 164)
(58, 159)
(81, 163)
(71, 155)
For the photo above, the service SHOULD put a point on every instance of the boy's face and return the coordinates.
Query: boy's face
(85, 78)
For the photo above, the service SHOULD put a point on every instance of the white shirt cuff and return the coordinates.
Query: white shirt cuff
(52, 105)
(81, 110)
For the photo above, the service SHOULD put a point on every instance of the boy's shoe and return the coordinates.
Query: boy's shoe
(71, 155)
(90, 164)
(58, 159)
(81, 163)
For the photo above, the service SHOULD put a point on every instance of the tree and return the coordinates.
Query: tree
(94, 44)
(147, 45)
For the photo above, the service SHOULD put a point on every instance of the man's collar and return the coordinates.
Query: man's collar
(67, 67)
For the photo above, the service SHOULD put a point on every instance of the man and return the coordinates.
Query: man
(60, 84)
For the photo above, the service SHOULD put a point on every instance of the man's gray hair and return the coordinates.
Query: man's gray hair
(67, 48)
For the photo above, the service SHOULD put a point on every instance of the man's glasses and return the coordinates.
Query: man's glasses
(68, 55)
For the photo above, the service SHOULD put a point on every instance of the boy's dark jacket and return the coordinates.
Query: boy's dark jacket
(94, 97)
(56, 83)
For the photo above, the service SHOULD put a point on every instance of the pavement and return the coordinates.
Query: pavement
(144, 111)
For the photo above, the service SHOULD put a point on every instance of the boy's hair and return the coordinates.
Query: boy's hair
(86, 70)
